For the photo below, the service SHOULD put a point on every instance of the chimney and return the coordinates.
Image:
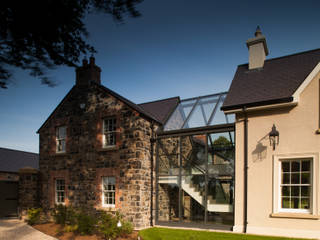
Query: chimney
(88, 73)
(258, 50)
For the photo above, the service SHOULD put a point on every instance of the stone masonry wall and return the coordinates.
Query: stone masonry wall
(86, 161)
(28, 189)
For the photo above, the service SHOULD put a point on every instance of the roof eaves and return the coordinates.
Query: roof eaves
(257, 104)
(160, 100)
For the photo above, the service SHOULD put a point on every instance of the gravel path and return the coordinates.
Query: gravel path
(13, 229)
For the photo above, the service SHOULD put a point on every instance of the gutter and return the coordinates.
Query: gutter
(275, 103)
(245, 188)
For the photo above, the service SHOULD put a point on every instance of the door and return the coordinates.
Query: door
(8, 198)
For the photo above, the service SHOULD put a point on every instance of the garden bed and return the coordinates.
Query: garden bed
(56, 230)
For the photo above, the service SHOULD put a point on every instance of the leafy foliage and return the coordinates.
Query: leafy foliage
(64, 215)
(107, 225)
(85, 223)
(34, 216)
(38, 35)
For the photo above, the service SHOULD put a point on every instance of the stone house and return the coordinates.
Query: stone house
(100, 150)
(95, 149)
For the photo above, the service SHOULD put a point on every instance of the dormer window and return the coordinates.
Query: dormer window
(109, 132)
(61, 134)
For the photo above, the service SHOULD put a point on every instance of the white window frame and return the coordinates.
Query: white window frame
(113, 191)
(109, 131)
(61, 140)
(60, 191)
(314, 172)
(295, 210)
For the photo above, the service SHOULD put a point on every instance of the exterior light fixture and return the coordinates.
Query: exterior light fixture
(274, 137)
(82, 105)
(119, 224)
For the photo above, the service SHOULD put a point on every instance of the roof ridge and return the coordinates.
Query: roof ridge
(286, 56)
(16, 150)
(128, 102)
(159, 100)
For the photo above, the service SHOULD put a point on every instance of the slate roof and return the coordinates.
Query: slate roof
(275, 83)
(129, 103)
(12, 160)
(161, 109)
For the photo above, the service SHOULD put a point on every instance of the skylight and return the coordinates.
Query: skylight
(199, 112)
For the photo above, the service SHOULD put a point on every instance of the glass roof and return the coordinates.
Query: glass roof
(199, 112)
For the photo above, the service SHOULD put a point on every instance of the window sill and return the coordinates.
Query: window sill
(111, 148)
(108, 208)
(295, 215)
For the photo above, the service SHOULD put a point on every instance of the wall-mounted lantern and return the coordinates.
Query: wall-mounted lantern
(274, 137)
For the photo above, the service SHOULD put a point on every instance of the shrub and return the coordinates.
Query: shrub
(34, 216)
(85, 223)
(71, 228)
(126, 227)
(59, 214)
(64, 215)
(107, 225)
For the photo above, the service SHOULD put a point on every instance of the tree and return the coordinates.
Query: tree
(38, 35)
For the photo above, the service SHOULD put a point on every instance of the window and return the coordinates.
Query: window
(60, 191)
(296, 185)
(109, 132)
(61, 134)
(108, 191)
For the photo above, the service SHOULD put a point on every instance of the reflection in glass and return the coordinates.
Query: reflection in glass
(196, 179)
(220, 178)
(199, 112)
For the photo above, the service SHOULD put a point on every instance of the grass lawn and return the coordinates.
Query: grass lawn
(179, 234)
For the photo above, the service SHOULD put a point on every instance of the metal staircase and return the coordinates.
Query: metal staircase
(194, 191)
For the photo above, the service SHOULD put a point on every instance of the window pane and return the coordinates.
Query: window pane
(61, 132)
(295, 166)
(186, 107)
(285, 203)
(286, 178)
(305, 191)
(295, 195)
(196, 119)
(305, 178)
(305, 166)
(109, 190)
(208, 105)
(295, 178)
(219, 117)
(295, 191)
(305, 203)
(295, 203)
(285, 191)
(285, 167)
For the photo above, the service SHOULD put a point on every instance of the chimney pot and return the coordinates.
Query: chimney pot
(92, 60)
(258, 32)
(84, 62)
(88, 73)
(258, 50)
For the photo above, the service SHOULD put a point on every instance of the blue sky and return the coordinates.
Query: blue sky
(177, 48)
